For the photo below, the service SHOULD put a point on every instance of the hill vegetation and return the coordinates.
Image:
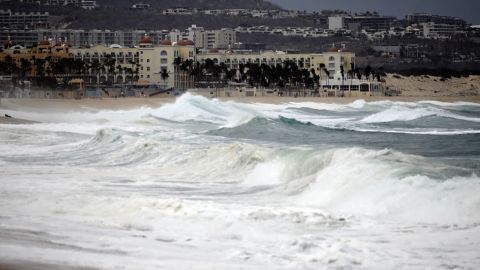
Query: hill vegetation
(150, 20)
(205, 4)
(117, 14)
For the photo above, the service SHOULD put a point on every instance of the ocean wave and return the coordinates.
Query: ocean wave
(423, 131)
(197, 108)
(374, 183)
(402, 113)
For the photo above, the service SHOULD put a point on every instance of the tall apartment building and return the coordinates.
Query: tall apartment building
(208, 39)
(224, 38)
(22, 20)
(24, 37)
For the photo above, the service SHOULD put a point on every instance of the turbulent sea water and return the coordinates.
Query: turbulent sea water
(202, 184)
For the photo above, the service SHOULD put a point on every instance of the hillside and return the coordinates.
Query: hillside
(117, 14)
(205, 4)
(155, 4)
(146, 19)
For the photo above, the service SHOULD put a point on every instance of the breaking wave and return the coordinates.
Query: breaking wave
(400, 113)
(378, 183)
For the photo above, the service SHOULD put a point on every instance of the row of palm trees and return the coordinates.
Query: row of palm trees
(39, 68)
(208, 72)
(253, 74)
(288, 74)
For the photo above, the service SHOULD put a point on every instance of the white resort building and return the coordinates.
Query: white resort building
(146, 64)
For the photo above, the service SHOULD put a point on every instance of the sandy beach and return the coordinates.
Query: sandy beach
(431, 86)
(133, 102)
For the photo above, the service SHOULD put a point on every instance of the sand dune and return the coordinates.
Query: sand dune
(431, 86)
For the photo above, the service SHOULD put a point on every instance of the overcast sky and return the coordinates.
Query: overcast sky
(466, 9)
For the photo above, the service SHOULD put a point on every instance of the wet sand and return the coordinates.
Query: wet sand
(132, 102)
(14, 121)
(38, 266)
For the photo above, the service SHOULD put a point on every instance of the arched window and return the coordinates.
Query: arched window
(331, 58)
(163, 53)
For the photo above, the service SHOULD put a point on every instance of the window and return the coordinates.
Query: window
(163, 53)
(332, 72)
(148, 68)
(148, 60)
(331, 65)
(148, 76)
(331, 58)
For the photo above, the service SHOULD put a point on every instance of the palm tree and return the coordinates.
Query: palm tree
(121, 71)
(358, 73)
(95, 68)
(322, 68)
(40, 70)
(197, 71)
(177, 61)
(48, 65)
(109, 65)
(367, 72)
(25, 66)
(328, 75)
(164, 74)
(241, 70)
(342, 72)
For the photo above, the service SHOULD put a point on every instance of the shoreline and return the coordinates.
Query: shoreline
(129, 103)
(133, 102)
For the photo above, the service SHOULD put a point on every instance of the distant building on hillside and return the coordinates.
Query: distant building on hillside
(178, 11)
(420, 18)
(336, 23)
(85, 4)
(21, 20)
(364, 22)
(82, 37)
(441, 31)
(140, 6)
(410, 51)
